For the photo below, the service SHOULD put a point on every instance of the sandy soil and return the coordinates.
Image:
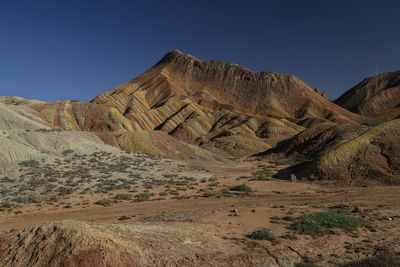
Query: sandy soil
(273, 204)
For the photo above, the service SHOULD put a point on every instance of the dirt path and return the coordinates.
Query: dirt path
(355, 196)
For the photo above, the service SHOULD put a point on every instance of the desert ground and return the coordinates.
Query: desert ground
(201, 196)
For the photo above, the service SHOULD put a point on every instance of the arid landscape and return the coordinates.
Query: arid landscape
(197, 163)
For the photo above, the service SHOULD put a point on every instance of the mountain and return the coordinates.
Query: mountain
(220, 85)
(218, 105)
(185, 108)
(183, 101)
(377, 95)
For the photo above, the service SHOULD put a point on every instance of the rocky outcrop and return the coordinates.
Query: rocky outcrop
(344, 153)
(373, 155)
(347, 154)
(315, 138)
(374, 95)
(73, 243)
(24, 135)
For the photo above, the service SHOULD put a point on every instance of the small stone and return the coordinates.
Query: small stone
(234, 212)
(358, 210)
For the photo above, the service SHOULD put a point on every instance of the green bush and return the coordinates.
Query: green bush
(262, 234)
(339, 206)
(209, 194)
(123, 197)
(103, 202)
(316, 222)
(306, 227)
(142, 196)
(274, 219)
(241, 188)
(336, 218)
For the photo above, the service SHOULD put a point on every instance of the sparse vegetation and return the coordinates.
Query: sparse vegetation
(289, 236)
(27, 199)
(67, 152)
(382, 260)
(123, 197)
(241, 188)
(45, 130)
(142, 196)
(262, 234)
(316, 222)
(306, 227)
(30, 163)
(209, 194)
(103, 202)
(274, 219)
(65, 190)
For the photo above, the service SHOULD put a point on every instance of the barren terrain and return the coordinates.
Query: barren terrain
(208, 202)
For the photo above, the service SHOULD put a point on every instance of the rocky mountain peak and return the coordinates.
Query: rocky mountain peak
(176, 56)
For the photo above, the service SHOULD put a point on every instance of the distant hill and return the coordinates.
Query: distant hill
(373, 96)
(185, 108)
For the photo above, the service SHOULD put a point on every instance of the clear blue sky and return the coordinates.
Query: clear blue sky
(51, 50)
